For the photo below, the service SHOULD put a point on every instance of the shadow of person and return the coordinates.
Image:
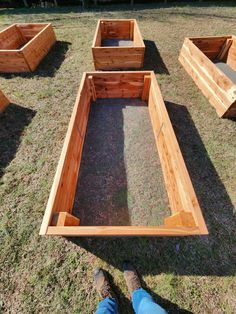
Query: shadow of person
(153, 60)
(170, 307)
(197, 255)
(49, 65)
(123, 302)
(12, 123)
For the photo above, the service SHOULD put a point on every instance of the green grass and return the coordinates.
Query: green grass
(54, 275)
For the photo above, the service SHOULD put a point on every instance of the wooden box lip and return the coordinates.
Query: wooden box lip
(163, 230)
(224, 97)
(119, 47)
(45, 25)
(191, 39)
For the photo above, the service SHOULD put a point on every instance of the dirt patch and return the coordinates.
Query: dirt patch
(120, 181)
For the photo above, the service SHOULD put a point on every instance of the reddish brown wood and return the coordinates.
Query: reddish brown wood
(198, 56)
(23, 46)
(122, 57)
(186, 218)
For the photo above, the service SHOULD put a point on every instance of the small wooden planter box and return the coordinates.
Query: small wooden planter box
(186, 218)
(118, 44)
(4, 102)
(23, 46)
(211, 62)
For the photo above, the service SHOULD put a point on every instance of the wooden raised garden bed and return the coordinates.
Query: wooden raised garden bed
(4, 102)
(211, 62)
(186, 218)
(23, 46)
(118, 44)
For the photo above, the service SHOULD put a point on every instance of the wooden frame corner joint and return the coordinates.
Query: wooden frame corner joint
(62, 219)
(92, 87)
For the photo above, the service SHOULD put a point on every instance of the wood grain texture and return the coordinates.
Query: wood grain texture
(178, 184)
(4, 102)
(113, 58)
(111, 231)
(63, 219)
(62, 193)
(180, 219)
(186, 218)
(38, 47)
(231, 57)
(10, 38)
(197, 56)
(146, 87)
(23, 46)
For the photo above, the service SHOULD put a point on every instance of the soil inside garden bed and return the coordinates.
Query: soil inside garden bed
(117, 43)
(120, 179)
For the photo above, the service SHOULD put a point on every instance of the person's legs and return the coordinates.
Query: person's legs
(142, 301)
(109, 304)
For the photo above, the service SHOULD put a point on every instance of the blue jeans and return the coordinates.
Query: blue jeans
(141, 300)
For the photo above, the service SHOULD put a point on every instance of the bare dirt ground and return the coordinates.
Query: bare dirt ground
(120, 180)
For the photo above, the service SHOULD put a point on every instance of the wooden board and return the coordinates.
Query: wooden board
(231, 57)
(112, 58)
(4, 102)
(23, 46)
(197, 57)
(186, 218)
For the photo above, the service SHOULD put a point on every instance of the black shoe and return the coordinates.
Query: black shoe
(102, 284)
(131, 277)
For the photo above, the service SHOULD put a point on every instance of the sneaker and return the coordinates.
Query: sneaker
(131, 277)
(102, 284)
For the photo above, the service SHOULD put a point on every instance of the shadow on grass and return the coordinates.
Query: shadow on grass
(153, 60)
(12, 123)
(170, 307)
(199, 255)
(49, 65)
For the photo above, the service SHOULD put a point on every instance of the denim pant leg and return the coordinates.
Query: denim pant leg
(143, 303)
(107, 306)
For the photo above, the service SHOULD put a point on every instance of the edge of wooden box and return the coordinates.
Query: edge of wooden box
(21, 51)
(46, 229)
(120, 20)
(220, 95)
(141, 47)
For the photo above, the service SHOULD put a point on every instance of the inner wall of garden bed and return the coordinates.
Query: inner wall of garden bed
(211, 63)
(117, 189)
(17, 35)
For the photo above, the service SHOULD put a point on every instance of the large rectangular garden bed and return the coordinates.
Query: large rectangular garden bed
(59, 218)
(118, 44)
(23, 46)
(211, 62)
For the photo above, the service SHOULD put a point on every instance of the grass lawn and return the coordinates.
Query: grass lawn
(54, 274)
